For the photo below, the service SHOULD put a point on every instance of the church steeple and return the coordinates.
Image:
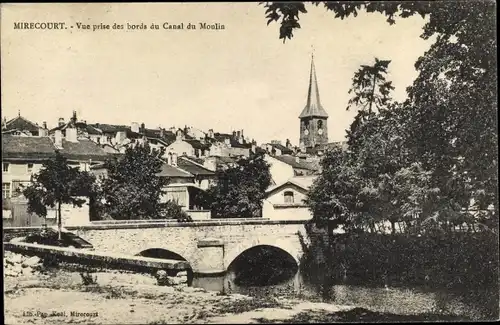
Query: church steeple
(313, 119)
(313, 106)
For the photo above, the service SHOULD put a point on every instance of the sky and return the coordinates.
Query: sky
(240, 78)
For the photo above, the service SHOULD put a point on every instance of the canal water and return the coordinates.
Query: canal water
(397, 300)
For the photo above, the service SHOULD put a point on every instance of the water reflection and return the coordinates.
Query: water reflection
(398, 300)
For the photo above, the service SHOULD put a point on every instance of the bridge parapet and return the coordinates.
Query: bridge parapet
(209, 245)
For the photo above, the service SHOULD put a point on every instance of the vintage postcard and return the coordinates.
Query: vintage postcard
(273, 162)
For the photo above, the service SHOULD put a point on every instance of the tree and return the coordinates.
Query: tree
(370, 88)
(55, 184)
(133, 188)
(450, 125)
(240, 189)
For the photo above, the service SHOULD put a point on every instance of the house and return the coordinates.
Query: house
(320, 150)
(285, 201)
(23, 156)
(284, 167)
(22, 127)
(182, 186)
(185, 145)
(229, 145)
(203, 177)
(213, 163)
(275, 148)
(81, 153)
(302, 165)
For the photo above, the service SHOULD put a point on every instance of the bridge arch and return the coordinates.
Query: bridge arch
(163, 253)
(277, 243)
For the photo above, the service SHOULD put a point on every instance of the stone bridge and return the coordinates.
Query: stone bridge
(209, 246)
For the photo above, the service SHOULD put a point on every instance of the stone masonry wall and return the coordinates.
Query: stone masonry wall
(184, 240)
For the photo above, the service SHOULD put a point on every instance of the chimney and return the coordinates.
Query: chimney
(73, 118)
(242, 133)
(238, 134)
(44, 125)
(211, 133)
(58, 138)
(288, 144)
(169, 158)
(71, 134)
(134, 127)
(162, 132)
(174, 159)
(254, 147)
(234, 134)
(61, 121)
(120, 137)
(210, 163)
(143, 128)
(178, 135)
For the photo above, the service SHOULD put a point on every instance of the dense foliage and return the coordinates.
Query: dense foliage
(240, 189)
(55, 184)
(132, 188)
(431, 160)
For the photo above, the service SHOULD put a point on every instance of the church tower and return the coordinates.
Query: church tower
(313, 119)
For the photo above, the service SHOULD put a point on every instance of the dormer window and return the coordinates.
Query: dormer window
(288, 195)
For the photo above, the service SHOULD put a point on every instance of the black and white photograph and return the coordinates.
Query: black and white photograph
(251, 163)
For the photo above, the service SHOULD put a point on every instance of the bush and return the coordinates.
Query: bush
(171, 210)
(451, 260)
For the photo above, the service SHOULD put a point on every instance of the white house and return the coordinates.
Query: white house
(280, 171)
(285, 201)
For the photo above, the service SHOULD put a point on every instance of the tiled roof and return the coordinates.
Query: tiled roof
(110, 128)
(221, 137)
(304, 182)
(284, 150)
(292, 161)
(20, 123)
(192, 167)
(171, 171)
(196, 159)
(83, 150)
(197, 144)
(36, 148)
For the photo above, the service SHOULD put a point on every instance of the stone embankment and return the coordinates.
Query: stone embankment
(16, 265)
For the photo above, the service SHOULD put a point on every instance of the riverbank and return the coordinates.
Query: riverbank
(59, 296)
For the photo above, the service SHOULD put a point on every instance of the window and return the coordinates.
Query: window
(320, 124)
(5, 190)
(288, 197)
(30, 168)
(5, 167)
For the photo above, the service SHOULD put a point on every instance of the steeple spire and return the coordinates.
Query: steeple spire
(313, 106)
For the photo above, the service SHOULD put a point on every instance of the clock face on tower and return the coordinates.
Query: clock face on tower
(306, 131)
(320, 131)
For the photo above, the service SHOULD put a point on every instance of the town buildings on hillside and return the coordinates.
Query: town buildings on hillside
(191, 156)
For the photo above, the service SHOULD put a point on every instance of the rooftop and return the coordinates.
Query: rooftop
(193, 167)
(292, 161)
(36, 148)
(304, 182)
(83, 150)
(171, 171)
(21, 124)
